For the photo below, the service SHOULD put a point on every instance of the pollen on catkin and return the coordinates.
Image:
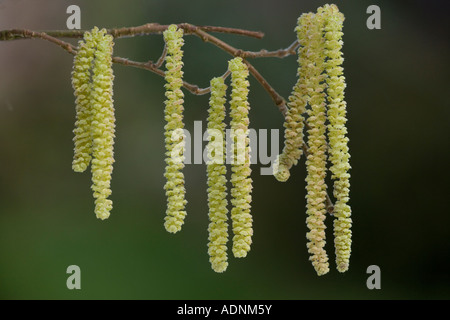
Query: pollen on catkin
(216, 172)
(174, 136)
(294, 120)
(103, 123)
(240, 177)
(81, 83)
(317, 158)
(337, 135)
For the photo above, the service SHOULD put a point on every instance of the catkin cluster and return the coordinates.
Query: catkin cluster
(316, 104)
(216, 148)
(92, 81)
(319, 94)
(240, 167)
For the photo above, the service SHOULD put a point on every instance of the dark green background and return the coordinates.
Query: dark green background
(398, 112)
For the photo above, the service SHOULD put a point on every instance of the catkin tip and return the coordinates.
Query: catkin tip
(281, 173)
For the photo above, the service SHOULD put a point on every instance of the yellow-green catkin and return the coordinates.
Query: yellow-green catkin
(337, 135)
(216, 172)
(103, 123)
(240, 177)
(317, 158)
(294, 119)
(174, 136)
(81, 83)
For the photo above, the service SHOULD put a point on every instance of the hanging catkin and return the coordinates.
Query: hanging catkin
(92, 79)
(294, 120)
(240, 177)
(174, 135)
(337, 135)
(82, 86)
(317, 158)
(103, 124)
(216, 172)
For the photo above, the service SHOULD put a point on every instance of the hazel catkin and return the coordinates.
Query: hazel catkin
(240, 177)
(92, 80)
(216, 172)
(337, 135)
(174, 136)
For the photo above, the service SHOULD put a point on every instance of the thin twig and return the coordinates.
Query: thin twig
(161, 59)
(226, 74)
(150, 66)
(281, 53)
(278, 99)
(247, 33)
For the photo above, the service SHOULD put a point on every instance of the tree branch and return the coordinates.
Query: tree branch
(200, 31)
(146, 29)
(15, 34)
(155, 28)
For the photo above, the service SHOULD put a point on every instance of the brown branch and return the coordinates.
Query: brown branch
(154, 67)
(252, 34)
(201, 32)
(146, 29)
(27, 34)
(150, 66)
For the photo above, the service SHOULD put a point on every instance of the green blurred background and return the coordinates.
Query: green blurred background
(399, 141)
